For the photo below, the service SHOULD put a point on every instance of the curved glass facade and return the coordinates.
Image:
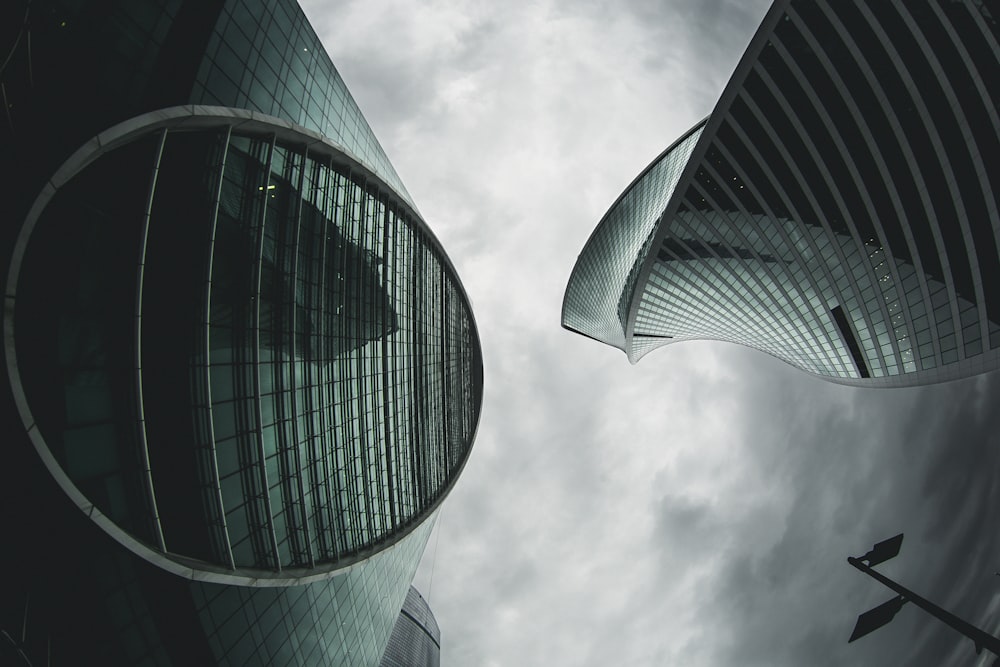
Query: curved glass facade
(344, 621)
(311, 373)
(106, 606)
(264, 55)
(129, 58)
(605, 269)
(231, 340)
(416, 638)
(842, 213)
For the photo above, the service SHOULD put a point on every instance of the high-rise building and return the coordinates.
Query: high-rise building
(416, 638)
(837, 210)
(243, 372)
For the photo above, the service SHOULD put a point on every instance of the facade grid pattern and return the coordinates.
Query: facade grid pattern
(265, 56)
(416, 638)
(345, 620)
(842, 214)
(256, 367)
(603, 271)
(330, 354)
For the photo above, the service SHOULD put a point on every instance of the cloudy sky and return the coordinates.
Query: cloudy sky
(696, 509)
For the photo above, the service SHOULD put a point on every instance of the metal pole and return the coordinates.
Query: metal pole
(979, 637)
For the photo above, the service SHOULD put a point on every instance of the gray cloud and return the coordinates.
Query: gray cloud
(920, 461)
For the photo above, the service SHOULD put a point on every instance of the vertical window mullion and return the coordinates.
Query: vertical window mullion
(214, 458)
(255, 342)
(147, 474)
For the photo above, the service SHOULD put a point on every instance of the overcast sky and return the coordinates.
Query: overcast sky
(696, 509)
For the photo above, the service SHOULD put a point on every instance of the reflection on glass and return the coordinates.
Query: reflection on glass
(304, 383)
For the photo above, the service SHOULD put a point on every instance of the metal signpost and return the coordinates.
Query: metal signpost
(875, 618)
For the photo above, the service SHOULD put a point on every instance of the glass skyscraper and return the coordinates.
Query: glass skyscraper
(231, 341)
(837, 210)
(416, 638)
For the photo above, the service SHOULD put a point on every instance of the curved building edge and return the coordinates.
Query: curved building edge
(609, 226)
(711, 126)
(201, 117)
(416, 637)
(888, 359)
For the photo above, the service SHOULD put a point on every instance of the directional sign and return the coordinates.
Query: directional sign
(874, 619)
(883, 551)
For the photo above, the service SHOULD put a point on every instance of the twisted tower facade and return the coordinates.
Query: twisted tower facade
(838, 209)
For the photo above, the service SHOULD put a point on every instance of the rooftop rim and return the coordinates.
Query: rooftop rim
(201, 117)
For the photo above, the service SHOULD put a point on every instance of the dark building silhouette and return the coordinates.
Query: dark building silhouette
(416, 639)
(838, 209)
(243, 373)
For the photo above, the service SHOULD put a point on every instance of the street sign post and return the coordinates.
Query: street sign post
(873, 619)
(879, 616)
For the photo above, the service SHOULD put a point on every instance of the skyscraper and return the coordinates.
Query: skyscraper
(231, 341)
(416, 638)
(837, 210)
